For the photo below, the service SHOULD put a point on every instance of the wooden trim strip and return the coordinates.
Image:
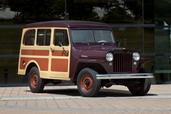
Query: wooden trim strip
(35, 52)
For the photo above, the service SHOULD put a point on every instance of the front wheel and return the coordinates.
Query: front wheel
(141, 87)
(35, 82)
(87, 83)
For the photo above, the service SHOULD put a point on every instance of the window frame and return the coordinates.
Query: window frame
(24, 40)
(54, 37)
(45, 36)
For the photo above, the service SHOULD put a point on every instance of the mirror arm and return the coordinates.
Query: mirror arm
(64, 51)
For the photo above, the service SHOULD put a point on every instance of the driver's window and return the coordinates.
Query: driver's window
(61, 36)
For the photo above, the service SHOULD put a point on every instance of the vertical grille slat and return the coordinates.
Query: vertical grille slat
(122, 62)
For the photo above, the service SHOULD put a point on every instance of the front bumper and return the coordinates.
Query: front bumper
(125, 76)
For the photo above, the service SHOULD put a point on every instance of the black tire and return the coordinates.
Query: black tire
(142, 87)
(88, 85)
(36, 83)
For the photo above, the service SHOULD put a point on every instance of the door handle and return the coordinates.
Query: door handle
(52, 49)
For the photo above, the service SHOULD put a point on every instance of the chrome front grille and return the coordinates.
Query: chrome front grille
(122, 62)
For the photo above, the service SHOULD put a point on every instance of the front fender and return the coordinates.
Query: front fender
(144, 60)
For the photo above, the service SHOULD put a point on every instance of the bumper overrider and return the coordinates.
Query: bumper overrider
(125, 76)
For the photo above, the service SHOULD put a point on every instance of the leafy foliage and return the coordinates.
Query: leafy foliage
(163, 11)
(117, 15)
(40, 10)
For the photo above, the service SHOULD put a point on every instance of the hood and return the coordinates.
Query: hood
(96, 50)
(97, 46)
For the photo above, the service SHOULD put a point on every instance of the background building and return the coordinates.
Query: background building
(142, 25)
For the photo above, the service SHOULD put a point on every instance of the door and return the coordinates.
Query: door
(60, 54)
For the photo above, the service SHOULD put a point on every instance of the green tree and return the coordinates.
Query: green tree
(117, 15)
(162, 11)
(81, 11)
(57, 8)
(39, 10)
(33, 10)
(135, 6)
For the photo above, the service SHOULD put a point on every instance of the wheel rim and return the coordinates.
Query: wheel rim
(34, 80)
(86, 83)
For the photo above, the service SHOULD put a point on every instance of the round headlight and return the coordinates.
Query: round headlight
(109, 57)
(136, 56)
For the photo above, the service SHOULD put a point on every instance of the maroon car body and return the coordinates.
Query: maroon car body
(97, 63)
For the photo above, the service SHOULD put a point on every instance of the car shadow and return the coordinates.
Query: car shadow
(102, 93)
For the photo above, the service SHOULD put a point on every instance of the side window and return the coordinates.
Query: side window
(43, 37)
(29, 37)
(61, 36)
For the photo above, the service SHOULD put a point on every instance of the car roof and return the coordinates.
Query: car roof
(69, 24)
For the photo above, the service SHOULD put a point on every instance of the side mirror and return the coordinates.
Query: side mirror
(64, 51)
(60, 44)
(118, 43)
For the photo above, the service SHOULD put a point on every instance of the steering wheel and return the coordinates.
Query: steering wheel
(100, 41)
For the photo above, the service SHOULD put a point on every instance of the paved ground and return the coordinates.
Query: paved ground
(66, 99)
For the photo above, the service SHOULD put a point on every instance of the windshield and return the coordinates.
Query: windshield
(92, 36)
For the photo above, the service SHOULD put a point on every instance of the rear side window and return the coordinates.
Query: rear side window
(29, 37)
(61, 36)
(43, 37)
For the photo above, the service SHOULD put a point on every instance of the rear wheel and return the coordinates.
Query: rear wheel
(141, 87)
(36, 83)
(87, 83)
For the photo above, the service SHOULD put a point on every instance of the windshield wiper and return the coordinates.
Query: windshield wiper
(82, 43)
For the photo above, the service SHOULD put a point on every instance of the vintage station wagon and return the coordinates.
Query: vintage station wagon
(81, 52)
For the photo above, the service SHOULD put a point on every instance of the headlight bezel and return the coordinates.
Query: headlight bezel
(136, 56)
(109, 57)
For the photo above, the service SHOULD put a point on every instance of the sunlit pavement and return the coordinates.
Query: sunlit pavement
(66, 99)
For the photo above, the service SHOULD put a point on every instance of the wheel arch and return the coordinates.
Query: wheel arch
(95, 66)
(30, 65)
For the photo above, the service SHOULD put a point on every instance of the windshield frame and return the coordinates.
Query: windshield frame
(93, 34)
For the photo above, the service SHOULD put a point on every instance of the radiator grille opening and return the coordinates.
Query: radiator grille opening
(122, 62)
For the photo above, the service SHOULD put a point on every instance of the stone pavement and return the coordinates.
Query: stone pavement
(66, 99)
